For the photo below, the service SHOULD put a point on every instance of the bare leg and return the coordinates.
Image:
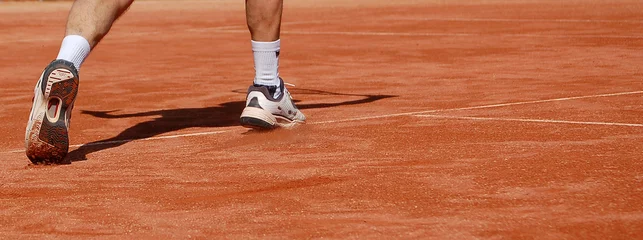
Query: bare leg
(92, 19)
(264, 19)
(264, 22)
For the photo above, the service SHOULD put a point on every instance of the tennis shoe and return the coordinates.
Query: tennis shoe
(47, 133)
(264, 111)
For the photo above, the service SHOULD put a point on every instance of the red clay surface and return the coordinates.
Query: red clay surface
(427, 119)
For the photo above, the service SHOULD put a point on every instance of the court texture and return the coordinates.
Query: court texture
(427, 119)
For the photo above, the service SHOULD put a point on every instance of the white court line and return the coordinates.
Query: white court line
(225, 29)
(434, 34)
(243, 28)
(145, 33)
(369, 117)
(531, 120)
(116, 35)
(136, 140)
(481, 107)
(532, 20)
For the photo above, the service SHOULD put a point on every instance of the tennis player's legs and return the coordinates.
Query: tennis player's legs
(47, 139)
(268, 103)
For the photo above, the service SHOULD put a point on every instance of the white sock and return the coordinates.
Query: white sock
(75, 49)
(266, 56)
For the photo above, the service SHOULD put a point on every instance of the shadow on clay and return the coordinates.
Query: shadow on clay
(170, 120)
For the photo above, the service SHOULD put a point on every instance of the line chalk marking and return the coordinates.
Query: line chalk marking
(230, 29)
(369, 117)
(531, 120)
(532, 20)
(434, 34)
(145, 33)
(482, 107)
(137, 140)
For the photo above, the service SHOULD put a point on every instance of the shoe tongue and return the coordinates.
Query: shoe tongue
(274, 91)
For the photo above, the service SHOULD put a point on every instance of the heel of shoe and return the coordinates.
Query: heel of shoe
(47, 142)
(257, 118)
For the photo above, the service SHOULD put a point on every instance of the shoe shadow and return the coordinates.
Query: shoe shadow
(170, 120)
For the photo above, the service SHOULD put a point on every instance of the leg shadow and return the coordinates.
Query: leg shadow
(224, 115)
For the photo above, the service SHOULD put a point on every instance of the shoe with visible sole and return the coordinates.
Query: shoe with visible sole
(47, 133)
(264, 112)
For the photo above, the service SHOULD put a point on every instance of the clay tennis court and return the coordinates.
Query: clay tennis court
(426, 119)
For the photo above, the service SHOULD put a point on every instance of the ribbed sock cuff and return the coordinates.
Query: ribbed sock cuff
(75, 49)
(266, 58)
